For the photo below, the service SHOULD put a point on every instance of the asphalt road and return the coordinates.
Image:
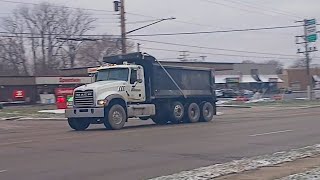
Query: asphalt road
(50, 150)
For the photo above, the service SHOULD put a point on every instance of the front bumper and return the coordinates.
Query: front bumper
(85, 113)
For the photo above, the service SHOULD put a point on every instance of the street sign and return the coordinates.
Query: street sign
(311, 30)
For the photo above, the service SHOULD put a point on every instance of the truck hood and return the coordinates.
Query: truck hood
(102, 86)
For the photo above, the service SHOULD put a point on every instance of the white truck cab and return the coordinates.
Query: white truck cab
(123, 84)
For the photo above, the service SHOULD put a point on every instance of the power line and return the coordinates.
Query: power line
(236, 7)
(212, 48)
(219, 31)
(176, 20)
(175, 58)
(218, 54)
(57, 34)
(181, 33)
(259, 6)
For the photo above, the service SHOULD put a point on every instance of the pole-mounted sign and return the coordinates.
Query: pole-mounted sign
(311, 30)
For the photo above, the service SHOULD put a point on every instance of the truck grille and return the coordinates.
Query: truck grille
(83, 98)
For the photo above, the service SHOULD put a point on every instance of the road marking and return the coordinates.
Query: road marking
(2, 171)
(18, 142)
(268, 133)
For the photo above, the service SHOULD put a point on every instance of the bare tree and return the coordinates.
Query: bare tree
(13, 48)
(279, 65)
(12, 57)
(248, 62)
(92, 53)
(75, 24)
(299, 63)
(44, 25)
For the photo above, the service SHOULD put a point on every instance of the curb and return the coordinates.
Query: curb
(42, 119)
(32, 119)
(234, 106)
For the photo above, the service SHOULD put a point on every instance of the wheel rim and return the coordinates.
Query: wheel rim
(178, 112)
(206, 112)
(117, 117)
(193, 112)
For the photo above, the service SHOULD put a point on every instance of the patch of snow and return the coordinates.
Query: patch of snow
(54, 111)
(313, 174)
(244, 164)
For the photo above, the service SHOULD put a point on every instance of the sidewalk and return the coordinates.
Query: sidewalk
(43, 112)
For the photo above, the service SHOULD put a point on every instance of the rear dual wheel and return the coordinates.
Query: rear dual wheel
(203, 113)
(207, 112)
(176, 112)
(193, 113)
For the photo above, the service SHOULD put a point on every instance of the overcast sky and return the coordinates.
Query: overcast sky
(201, 15)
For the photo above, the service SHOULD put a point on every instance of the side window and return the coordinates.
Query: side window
(133, 76)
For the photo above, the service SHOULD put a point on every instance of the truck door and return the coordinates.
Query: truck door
(137, 88)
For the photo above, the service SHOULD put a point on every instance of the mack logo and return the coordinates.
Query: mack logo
(84, 94)
(80, 94)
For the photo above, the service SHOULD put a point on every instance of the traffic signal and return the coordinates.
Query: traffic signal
(116, 6)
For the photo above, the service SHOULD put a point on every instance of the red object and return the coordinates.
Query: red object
(61, 97)
(241, 98)
(18, 94)
(278, 97)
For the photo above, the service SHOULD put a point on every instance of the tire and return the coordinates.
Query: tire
(193, 113)
(207, 112)
(176, 112)
(161, 116)
(115, 117)
(78, 124)
(160, 119)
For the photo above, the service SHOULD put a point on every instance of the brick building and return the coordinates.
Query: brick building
(296, 79)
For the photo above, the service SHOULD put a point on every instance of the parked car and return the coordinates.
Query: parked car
(285, 90)
(219, 93)
(248, 92)
(229, 93)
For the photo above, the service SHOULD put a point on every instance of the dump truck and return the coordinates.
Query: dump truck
(137, 85)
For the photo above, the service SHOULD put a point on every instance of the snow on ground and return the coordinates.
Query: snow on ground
(244, 164)
(313, 174)
(53, 111)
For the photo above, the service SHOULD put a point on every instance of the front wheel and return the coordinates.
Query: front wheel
(78, 124)
(115, 118)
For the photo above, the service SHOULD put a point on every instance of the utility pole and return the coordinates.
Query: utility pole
(310, 36)
(119, 6)
(123, 28)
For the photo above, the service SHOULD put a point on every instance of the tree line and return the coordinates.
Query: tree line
(33, 44)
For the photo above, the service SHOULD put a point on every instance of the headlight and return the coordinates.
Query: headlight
(102, 102)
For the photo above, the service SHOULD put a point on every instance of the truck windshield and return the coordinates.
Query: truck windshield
(120, 74)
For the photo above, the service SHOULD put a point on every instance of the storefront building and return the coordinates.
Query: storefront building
(297, 79)
(249, 77)
(37, 89)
